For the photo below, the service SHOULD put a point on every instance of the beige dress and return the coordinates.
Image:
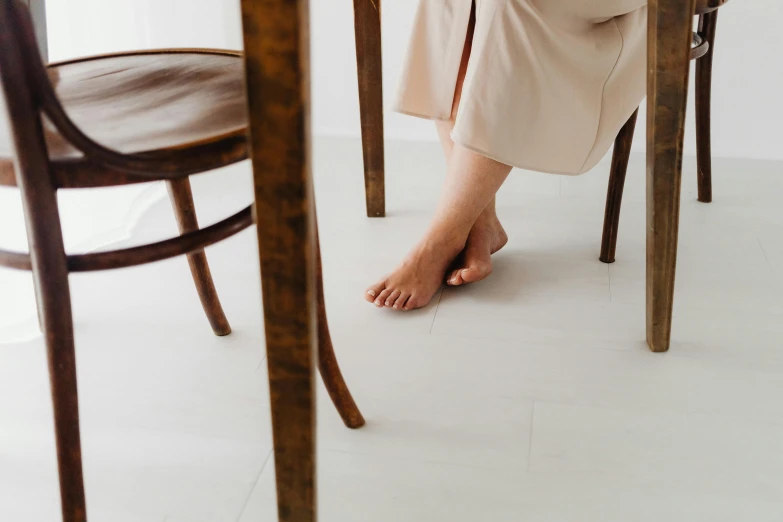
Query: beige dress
(549, 82)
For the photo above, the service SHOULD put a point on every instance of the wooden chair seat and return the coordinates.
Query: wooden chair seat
(150, 102)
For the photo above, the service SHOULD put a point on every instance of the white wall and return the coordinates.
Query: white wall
(746, 102)
(747, 106)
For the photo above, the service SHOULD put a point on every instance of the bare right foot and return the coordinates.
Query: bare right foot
(475, 263)
(420, 275)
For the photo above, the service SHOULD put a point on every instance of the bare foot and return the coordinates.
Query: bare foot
(474, 263)
(418, 277)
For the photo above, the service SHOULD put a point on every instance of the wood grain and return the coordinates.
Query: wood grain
(367, 27)
(703, 42)
(277, 67)
(668, 59)
(117, 100)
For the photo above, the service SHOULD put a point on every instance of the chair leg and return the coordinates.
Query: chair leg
(707, 27)
(367, 26)
(185, 211)
(614, 194)
(669, 39)
(54, 304)
(327, 362)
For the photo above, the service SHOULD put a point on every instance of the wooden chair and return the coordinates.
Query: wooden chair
(702, 52)
(113, 120)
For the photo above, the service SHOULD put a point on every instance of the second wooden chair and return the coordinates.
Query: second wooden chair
(704, 42)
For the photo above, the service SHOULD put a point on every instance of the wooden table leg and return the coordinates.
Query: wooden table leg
(668, 59)
(367, 25)
(276, 36)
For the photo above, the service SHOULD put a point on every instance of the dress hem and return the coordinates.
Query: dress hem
(494, 157)
(463, 143)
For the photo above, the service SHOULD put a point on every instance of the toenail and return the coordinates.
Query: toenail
(371, 292)
(388, 303)
(395, 306)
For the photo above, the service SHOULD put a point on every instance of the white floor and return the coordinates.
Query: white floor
(530, 396)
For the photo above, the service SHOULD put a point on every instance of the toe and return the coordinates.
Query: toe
(399, 304)
(392, 298)
(455, 278)
(381, 299)
(374, 291)
(475, 273)
(412, 303)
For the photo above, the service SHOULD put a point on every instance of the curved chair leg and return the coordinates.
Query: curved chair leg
(327, 362)
(614, 195)
(707, 26)
(185, 210)
(54, 304)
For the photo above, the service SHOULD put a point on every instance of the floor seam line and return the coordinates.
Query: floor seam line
(253, 487)
(761, 246)
(530, 437)
(437, 306)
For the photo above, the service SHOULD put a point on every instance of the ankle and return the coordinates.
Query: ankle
(445, 240)
(487, 219)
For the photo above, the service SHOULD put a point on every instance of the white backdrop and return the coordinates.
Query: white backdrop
(747, 105)
(748, 75)
(747, 108)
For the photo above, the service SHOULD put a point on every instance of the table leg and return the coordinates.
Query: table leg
(276, 36)
(668, 50)
(367, 25)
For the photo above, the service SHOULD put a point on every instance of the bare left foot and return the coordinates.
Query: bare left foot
(420, 274)
(474, 263)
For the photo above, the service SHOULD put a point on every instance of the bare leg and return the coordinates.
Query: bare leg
(487, 235)
(470, 186)
(465, 223)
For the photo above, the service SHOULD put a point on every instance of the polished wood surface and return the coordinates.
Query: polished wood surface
(155, 103)
(48, 256)
(139, 255)
(327, 362)
(707, 26)
(367, 26)
(181, 197)
(276, 36)
(614, 195)
(668, 58)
